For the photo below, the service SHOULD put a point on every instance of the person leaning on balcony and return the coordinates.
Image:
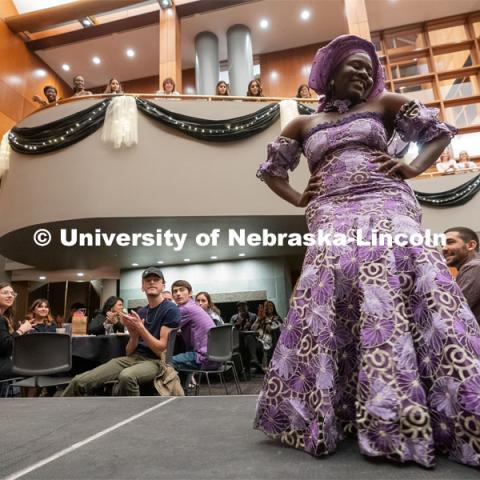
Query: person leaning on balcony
(222, 89)
(168, 86)
(114, 86)
(51, 95)
(303, 91)
(461, 252)
(446, 163)
(254, 88)
(149, 330)
(8, 329)
(464, 161)
(79, 87)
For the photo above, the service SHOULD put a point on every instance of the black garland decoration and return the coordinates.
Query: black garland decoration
(60, 133)
(451, 198)
(304, 110)
(213, 130)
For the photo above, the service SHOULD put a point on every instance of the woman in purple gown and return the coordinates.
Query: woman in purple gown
(379, 340)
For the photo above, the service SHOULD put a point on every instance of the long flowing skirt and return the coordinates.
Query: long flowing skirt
(378, 341)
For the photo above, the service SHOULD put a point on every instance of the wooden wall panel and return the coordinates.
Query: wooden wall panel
(18, 82)
(282, 72)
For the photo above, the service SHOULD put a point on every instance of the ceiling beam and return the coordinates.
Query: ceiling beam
(48, 17)
(129, 23)
(117, 26)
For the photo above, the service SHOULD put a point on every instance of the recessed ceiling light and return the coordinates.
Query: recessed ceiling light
(40, 73)
(213, 257)
(130, 52)
(264, 23)
(241, 254)
(80, 274)
(66, 67)
(273, 74)
(87, 22)
(96, 60)
(134, 264)
(186, 259)
(42, 277)
(305, 14)
(160, 262)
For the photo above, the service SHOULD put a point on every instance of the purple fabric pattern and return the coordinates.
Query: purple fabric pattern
(378, 341)
(282, 154)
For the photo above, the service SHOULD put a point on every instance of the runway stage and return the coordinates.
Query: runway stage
(186, 438)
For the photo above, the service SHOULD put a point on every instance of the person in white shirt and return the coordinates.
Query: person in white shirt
(464, 161)
(447, 164)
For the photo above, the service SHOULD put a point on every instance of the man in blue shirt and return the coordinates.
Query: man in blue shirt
(149, 331)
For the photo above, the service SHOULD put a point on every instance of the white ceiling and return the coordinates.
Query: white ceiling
(286, 30)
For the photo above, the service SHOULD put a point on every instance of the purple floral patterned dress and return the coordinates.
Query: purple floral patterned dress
(379, 341)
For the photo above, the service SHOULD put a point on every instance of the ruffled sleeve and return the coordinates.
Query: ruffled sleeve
(282, 154)
(417, 123)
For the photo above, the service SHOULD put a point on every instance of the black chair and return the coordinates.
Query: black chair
(219, 349)
(236, 352)
(6, 383)
(40, 356)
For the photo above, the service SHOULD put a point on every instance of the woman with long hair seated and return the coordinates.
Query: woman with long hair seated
(8, 328)
(110, 314)
(204, 300)
(40, 317)
(114, 86)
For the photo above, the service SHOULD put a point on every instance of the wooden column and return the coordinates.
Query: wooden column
(170, 64)
(356, 18)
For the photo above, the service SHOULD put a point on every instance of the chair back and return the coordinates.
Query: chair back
(236, 339)
(220, 343)
(42, 354)
(172, 336)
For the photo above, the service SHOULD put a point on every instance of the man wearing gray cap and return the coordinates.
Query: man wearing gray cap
(149, 331)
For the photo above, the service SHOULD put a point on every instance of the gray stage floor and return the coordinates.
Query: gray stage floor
(170, 438)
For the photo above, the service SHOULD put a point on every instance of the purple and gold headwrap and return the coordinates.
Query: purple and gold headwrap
(328, 58)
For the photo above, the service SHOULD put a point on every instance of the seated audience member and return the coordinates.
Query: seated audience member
(464, 161)
(447, 164)
(167, 295)
(204, 300)
(195, 323)
(222, 89)
(243, 319)
(8, 329)
(114, 87)
(267, 328)
(110, 314)
(39, 316)
(79, 87)
(461, 252)
(303, 91)
(145, 349)
(168, 87)
(254, 89)
(50, 94)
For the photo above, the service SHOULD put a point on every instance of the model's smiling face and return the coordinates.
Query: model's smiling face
(353, 78)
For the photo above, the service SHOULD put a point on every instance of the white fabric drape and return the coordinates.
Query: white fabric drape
(5, 150)
(120, 126)
(288, 111)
